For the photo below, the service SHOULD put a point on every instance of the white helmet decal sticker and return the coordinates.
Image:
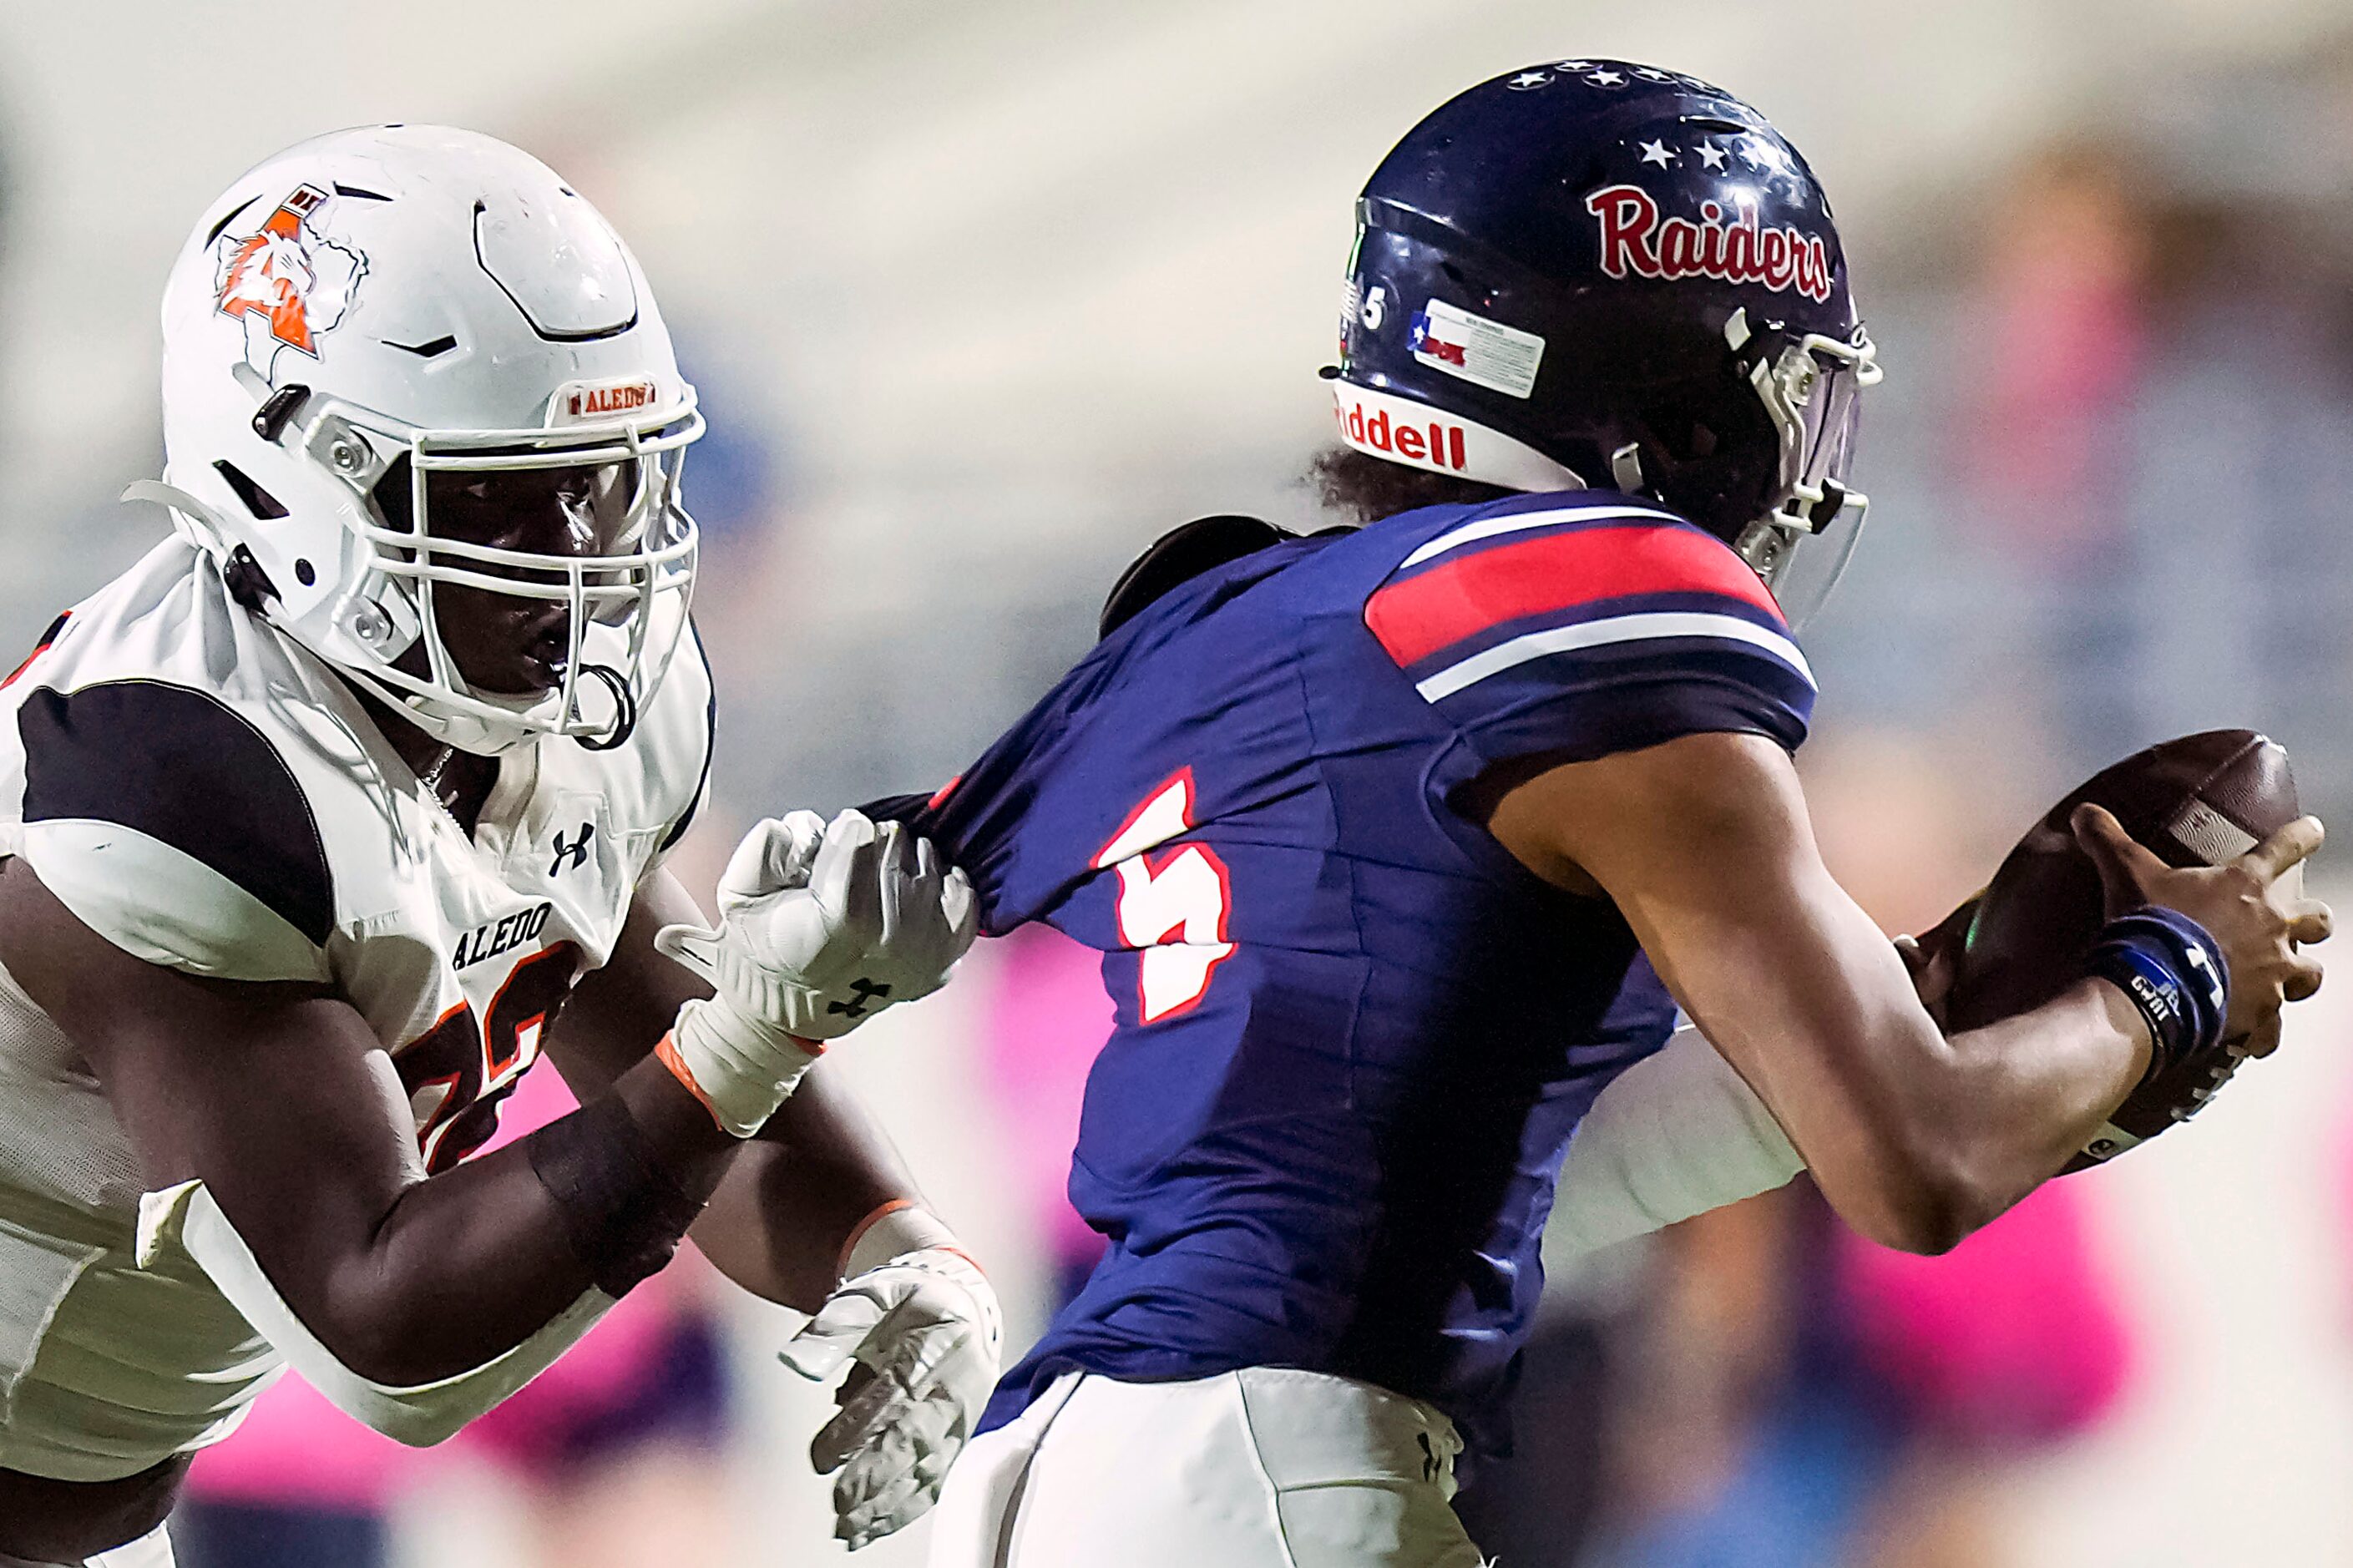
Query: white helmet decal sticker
(286, 282)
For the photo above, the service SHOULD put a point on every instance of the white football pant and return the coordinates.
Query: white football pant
(1257, 1468)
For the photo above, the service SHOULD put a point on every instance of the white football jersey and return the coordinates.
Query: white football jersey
(205, 795)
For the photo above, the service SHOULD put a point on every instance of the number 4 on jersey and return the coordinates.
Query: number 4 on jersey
(1172, 910)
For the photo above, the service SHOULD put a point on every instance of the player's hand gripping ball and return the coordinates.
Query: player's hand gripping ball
(2208, 826)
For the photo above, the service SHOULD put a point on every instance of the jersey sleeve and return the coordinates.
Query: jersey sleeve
(172, 827)
(1580, 639)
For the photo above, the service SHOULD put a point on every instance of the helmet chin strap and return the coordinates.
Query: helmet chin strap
(466, 732)
(487, 737)
(1625, 469)
(1768, 543)
(194, 519)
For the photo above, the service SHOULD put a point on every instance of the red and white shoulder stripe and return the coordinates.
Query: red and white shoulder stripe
(1500, 591)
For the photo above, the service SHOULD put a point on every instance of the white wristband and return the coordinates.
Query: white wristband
(740, 1068)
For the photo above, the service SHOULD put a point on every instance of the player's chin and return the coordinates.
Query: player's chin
(531, 679)
(514, 656)
(525, 672)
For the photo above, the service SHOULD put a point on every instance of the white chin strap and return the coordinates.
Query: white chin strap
(190, 518)
(1420, 436)
(481, 733)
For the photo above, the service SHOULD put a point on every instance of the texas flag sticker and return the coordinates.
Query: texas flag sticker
(1490, 354)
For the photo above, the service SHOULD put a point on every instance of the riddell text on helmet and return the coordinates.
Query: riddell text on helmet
(1635, 241)
(1440, 448)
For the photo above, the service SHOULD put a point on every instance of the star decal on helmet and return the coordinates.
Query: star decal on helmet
(286, 283)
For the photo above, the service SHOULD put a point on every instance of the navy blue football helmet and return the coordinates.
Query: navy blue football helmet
(1592, 273)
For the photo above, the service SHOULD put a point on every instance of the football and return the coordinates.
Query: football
(2200, 800)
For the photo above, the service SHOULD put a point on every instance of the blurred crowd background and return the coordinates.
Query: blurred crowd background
(983, 297)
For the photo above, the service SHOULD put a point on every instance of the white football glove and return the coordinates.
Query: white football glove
(821, 925)
(924, 1330)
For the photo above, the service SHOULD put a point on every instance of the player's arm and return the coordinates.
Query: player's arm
(276, 1097)
(1680, 1132)
(781, 1221)
(277, 1133)
(818, 1213)
(1704, 844)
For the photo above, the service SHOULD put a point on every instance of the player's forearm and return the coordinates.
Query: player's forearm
(777, 1225)
(781, 1221)
(818, 1165)
(464, 1267)
(1917, 1139)
(2026, 1094)
(1680, 1132)
(1949, 1133)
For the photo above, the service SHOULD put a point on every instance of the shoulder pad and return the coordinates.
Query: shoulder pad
(172, 828)
(1179, 556)
(1576, 627)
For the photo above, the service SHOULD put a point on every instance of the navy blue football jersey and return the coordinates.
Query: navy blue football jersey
(1352, 1033)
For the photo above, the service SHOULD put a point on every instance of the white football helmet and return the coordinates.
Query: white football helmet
(416, 292)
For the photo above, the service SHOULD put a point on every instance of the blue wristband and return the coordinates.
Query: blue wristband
(2175, 974)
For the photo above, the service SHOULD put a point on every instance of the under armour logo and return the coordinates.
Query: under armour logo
(862, 992)
(575, 853)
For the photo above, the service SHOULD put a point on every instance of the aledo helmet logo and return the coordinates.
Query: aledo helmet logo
(286, 283)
